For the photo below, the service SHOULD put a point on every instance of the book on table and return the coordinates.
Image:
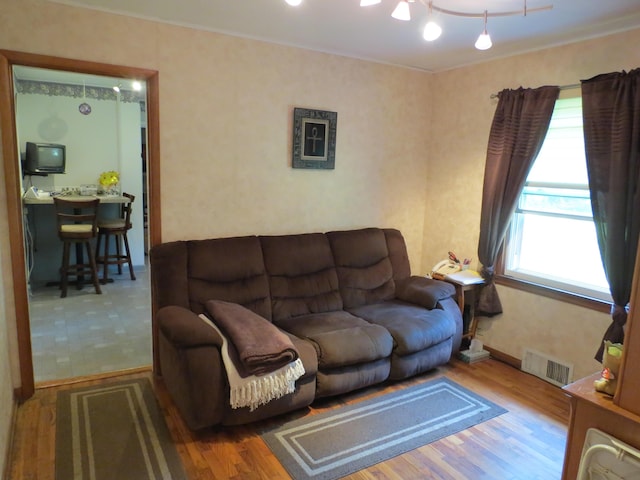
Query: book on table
(465, 277)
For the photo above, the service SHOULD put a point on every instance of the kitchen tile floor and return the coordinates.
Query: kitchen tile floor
(85, 333)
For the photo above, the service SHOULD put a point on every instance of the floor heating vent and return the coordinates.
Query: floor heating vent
(546, 367)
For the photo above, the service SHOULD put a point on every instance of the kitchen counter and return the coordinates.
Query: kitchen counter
(48, 199)
(44, 249)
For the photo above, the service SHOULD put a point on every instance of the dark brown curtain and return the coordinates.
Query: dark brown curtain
(519, 126)
(611, 112)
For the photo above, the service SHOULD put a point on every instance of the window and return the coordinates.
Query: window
(552, 239)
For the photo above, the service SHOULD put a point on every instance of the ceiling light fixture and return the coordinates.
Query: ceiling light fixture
(294, 3)
(484, 40)
(402, 11)
(432, 30)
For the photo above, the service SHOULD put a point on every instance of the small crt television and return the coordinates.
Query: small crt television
(44, 158)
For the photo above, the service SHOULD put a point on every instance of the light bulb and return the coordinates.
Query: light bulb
(294, 3)
(136, 85)
(402, 11)
(432, 31)
(484, 41)
(366, 3)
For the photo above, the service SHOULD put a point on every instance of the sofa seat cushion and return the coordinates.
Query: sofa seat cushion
(413, 328)
(340, 339)
(405, 366)
(307, 355)
(335, 381)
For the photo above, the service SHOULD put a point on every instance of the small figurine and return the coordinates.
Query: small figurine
(611, 367)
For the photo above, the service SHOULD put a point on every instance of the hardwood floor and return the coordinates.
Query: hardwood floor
(526, 443)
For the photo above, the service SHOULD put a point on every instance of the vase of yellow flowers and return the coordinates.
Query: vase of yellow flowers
(109, 182)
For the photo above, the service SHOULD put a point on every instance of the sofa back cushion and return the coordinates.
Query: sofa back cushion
(229, 269)
(169, 281)
(364, 268)
(302, 275)
(397, 254)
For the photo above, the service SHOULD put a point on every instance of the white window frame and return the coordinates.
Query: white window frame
(527, 212)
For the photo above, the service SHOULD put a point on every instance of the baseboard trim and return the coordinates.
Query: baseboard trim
(10, 441)
(504, 358)
(98, 376)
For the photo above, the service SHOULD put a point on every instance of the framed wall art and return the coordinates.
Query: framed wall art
(314, 138)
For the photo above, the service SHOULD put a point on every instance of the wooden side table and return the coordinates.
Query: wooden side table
(467, 294)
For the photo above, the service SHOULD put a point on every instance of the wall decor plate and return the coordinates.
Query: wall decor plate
(84, 108)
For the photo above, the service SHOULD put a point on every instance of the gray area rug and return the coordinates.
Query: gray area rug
(114, 431)
(333, 444)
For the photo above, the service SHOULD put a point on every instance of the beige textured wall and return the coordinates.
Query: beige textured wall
(464, 111)
(226, 150)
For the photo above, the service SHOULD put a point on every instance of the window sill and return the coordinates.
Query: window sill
(562, 296)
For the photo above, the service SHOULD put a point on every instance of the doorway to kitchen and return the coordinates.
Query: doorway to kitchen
(101, 123)
(11, 148)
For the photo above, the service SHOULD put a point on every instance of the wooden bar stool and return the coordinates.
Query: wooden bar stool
(117, 228)
(77, 224)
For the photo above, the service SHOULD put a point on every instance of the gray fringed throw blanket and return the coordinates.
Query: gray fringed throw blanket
(261, 347)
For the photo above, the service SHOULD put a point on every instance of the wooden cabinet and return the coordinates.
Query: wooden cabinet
(618, 416)
(628, 393)
(591, 409)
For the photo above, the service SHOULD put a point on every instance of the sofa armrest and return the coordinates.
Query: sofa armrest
(426, 292)
(195, 377)
(184, 329)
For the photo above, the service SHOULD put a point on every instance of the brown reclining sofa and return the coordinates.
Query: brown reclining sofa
(346, 299)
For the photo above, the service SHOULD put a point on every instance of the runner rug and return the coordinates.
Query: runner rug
(333, 444)
(114, 431)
